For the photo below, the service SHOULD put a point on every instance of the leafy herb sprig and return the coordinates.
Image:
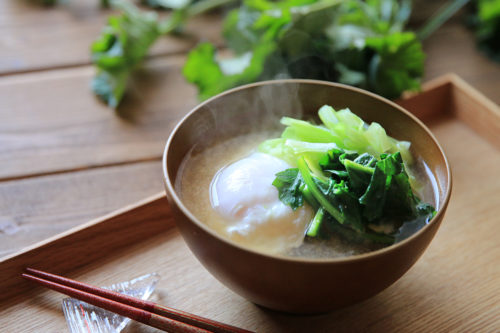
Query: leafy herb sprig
(357, 42)
(351, 41)
(126, 40)
(487, 27)
(361, 43)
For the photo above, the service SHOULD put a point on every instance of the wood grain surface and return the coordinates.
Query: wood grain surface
(34, 209)
(45, 133)
(454, 287)
(468, 105)
(67, 159)
(452, 49)
(444, 291)
(88, 242)
(62, 34)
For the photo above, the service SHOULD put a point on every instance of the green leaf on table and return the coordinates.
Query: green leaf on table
(488, 27)
(358, 37)
(203, 69)
(397, 65)
(245, 27)
(264, 33)
(110, 87)
(123, 43)
(237, 30)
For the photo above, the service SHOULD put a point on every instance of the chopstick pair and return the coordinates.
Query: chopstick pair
(146, 312)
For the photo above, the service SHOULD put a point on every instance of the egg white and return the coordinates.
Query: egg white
(243, 194)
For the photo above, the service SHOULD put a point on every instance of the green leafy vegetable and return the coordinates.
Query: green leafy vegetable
(374, 198)
(122, 45)
(397, 65)
(356, 42)
(354, 193)
(351, 41)
(488, 27)
(425, 213)
(359, 175)
(126, 40)
(372, 50)
(331, 226)
(257, 32)
(315, 225)
(320, 190)
(203, 69)
(288, 183)
(341, 129)
(386, 200)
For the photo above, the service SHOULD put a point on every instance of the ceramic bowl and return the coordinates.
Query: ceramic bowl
(298, 285)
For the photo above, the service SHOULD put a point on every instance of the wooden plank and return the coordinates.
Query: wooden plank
(468, 104)
(62, 34)
(35, 209)
(452, 49)
(454, 287)
(478, 112)
(45, 133)
(51, 122)
(132, 224)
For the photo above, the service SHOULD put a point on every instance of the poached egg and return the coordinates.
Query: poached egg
(243, 194)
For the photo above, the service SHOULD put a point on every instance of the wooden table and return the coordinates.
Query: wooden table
(66, 158)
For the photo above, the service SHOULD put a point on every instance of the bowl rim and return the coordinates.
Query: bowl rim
(358, 257)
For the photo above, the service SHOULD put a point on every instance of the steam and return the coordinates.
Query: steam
(253, 109)
(256, 108)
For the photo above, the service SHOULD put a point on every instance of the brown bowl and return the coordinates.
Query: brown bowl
(287, 284)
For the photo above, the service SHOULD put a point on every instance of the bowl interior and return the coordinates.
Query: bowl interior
(260, 106)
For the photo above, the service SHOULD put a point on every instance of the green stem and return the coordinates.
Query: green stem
(314, 226)
(441, 16)
(309, 197)
(323, 201)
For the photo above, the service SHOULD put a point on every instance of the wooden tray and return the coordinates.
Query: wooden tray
(455, 286)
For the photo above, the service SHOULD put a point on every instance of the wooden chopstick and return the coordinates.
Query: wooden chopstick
(146, 312)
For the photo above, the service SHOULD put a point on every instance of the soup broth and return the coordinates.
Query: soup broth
(193, 183)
